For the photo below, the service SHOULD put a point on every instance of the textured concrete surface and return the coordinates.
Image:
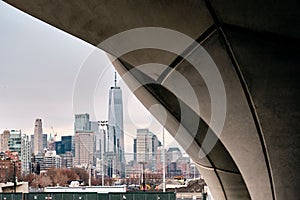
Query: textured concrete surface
(255, 45)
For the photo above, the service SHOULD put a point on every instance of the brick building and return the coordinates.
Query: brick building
(7, 162)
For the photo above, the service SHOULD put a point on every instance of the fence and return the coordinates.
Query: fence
(88, 196)
(11, 196)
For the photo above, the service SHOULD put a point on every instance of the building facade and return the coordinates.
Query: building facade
(31, 144)
(8, 161)
(84, 148)
(67, 160)
(15, 140)
(38, 136)
(98, 139)
(145, 148)
(82, 122)
(51, 160)
(67, 142)
(65, 145)
(45, 142)
(25, 154)
(144, 145)
(17, 143)
(160, 155)
(173, 154)
(115, 137)
(4, 138)
(59, 147)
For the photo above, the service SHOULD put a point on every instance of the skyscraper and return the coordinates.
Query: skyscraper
(84, 148)
(67, 142)
(17, 143)
(64, 149)
(115, 136)
(14, 142)
(4, 138)
(65, 145)
(45, 141)
(38, 137)
(97, 135)
(145, 148)
(82, 123)
(31, 144)
(134, 150)
(25, 154)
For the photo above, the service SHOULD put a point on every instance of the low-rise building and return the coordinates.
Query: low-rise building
(21, 187)
(51, 160)
(9, 162)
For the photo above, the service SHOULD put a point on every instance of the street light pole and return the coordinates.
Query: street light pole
(164, 162)
(103, 123)
(15, 183)
(143, 175)
(90, 170)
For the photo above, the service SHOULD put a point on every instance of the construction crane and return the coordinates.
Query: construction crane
(51, 144)
(54, 133)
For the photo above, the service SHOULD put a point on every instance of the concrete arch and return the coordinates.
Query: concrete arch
(255, 45)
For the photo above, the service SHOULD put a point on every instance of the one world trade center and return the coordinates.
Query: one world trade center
(115, 137)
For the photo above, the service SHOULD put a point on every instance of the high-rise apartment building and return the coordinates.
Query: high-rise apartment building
(38, 137)
(25, 154)
(14, 142)
(18, 144)
(115, 136)
(4, 138)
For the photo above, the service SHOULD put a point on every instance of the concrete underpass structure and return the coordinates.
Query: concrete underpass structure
(255, 47)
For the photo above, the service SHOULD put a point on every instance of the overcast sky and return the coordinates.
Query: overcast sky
(38, 69)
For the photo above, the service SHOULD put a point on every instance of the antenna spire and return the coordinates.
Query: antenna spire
(115, 79)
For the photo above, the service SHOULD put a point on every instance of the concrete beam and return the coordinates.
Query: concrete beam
(255, 47)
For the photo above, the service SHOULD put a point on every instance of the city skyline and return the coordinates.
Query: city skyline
(40, 83)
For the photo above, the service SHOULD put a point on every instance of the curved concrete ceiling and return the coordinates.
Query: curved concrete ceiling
(255, 46)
